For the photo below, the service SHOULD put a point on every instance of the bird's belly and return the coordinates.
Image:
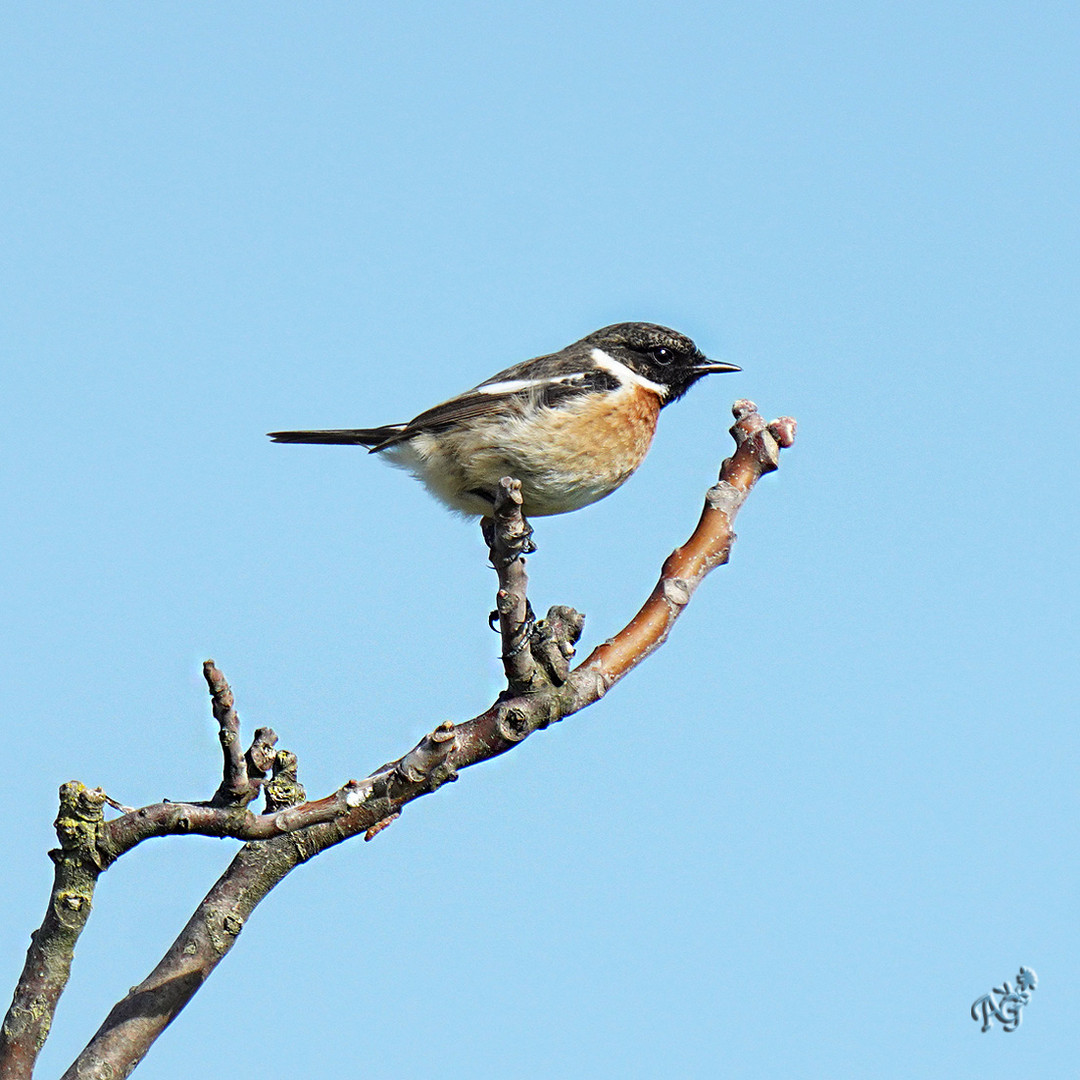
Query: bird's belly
(565, 457)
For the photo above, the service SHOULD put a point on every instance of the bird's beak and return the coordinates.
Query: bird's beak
(707, 367)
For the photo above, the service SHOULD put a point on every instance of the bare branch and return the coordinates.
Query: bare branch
(757, 452)
(48, 960)
(136, 1021)
(260, 755)
(552, 642)
(237, 788)
(177, 819)
(553, 693)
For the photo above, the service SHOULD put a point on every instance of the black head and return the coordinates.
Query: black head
(657, 353)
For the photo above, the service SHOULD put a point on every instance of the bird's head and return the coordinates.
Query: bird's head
(661, 355)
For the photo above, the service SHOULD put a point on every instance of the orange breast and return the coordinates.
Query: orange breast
(577, 454)
(609, 436)
(565, 457)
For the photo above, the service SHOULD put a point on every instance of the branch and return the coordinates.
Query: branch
(136, 1021)
(89, 845)
(48, 960)
(371, 804)
(757, 452)
(226, 814)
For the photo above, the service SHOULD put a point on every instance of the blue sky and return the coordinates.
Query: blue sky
(840, 804)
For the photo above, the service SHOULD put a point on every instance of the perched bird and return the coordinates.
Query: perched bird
(571, 426)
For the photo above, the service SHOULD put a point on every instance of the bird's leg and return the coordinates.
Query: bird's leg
(504, 550)
(509, 538)
(527, 544)
(506, 545)
(522, 632)
(529, 621)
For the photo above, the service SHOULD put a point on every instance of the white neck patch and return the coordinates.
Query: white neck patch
(625, 374)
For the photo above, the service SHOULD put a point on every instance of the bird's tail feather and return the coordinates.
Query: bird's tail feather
(344, 436)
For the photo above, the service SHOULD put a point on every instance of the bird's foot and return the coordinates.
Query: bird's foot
(506, 545)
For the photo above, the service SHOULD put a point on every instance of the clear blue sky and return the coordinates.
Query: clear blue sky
(841, 803)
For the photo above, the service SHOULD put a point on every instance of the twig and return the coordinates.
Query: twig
(260, 755)
(284, 789)
(237, 788)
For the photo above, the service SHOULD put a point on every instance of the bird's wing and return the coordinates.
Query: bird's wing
(545, 381)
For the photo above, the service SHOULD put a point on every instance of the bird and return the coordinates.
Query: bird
(571, 426)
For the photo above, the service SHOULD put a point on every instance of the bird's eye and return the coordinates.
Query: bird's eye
(662, 356)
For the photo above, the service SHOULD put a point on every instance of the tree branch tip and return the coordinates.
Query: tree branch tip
(76, 797)
(748, 423)
(746, 427)
(283, 790)
(509, 492)
(757, 443)
(783, 431)
(260, 755)
(570, 618)
(507, 534)
(285, 761)
(218, 684)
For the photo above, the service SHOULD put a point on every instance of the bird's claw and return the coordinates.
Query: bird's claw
(510, 547)
(524, 628)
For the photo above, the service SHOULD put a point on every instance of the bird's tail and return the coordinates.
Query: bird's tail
(373, 437)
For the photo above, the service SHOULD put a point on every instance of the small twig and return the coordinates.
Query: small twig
(379, 826)
(260, 755)
(552, 642)
(117, 805)
(236, 787)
